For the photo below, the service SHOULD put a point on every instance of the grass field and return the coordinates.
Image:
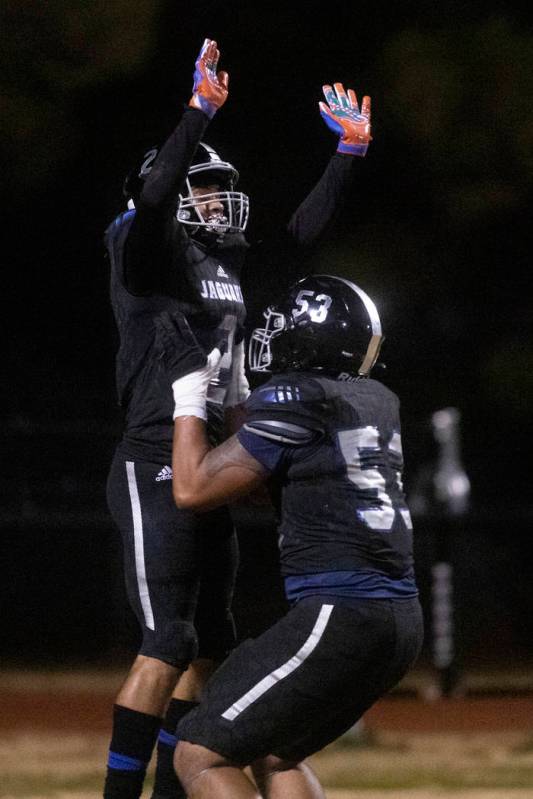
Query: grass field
(485, 766)
(43, 757)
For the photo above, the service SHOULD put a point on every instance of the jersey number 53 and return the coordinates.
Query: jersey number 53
(366, 465)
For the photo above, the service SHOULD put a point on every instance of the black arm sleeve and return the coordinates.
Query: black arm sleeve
(147, 251)
(285, 253)
(324, 202)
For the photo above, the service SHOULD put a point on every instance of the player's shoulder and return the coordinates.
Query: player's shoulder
(368, 386)
(119, 226)
(287, 390)
(288, 407)
(379, 389)
(123, 219)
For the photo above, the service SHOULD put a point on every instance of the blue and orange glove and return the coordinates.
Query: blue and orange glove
(210, 89)
(342, 116)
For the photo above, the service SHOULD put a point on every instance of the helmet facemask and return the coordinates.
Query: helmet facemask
(234, 216)
(207, 169)
(259, 349)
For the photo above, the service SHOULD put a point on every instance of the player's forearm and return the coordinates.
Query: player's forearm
(146, 251)
(171, 166)
(204, 478)
(342, 115)
(189, 449)
(234, 418)
(323, 203)
(210, 91)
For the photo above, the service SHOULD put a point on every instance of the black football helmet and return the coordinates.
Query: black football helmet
(325, 324)
(206, 168)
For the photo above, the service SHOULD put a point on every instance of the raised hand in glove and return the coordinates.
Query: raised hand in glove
(210, 89)
(341, 114)
(188, 368)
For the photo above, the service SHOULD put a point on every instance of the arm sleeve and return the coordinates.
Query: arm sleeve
(147, 250)
(324, 202)
(239, 388)
(283, 251)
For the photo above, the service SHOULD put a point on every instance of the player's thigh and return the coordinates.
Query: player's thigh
(219, 557)
(304, 679)
(162, 556)
(218, 571)
(382, 641)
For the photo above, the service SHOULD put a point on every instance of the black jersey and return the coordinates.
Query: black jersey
(335, 450)
(206, 288)
(156, 267)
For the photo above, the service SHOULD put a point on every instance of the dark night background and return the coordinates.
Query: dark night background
(437, 231)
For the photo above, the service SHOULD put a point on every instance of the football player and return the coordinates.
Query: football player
(179, 249)
(328, 435)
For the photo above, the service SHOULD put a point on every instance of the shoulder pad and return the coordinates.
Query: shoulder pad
(120, 224)
(280, 430)
(288, 402)
(124, 218)
(285, 390)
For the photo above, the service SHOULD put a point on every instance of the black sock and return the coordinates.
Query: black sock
(132, 743)
(167, 785)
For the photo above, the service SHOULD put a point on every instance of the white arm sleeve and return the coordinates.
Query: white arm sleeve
(238, 389)
(190, 391)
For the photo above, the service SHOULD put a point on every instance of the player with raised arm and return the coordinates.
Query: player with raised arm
(329, 437)
(179, 249)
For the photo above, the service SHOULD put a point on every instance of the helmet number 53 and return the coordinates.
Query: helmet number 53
(317, 314)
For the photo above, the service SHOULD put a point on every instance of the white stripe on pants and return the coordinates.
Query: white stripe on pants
(140, 568)
(283, 671)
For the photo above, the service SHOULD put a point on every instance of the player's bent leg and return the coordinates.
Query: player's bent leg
(213, 622)
(279, 779)
(164, 589)
(141, 704)
(206, 774)
(191, 682)
(213, 618)
(216, 633)
(148, 686)
(137, 717)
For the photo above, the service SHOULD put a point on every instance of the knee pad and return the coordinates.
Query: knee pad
(175, 643)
